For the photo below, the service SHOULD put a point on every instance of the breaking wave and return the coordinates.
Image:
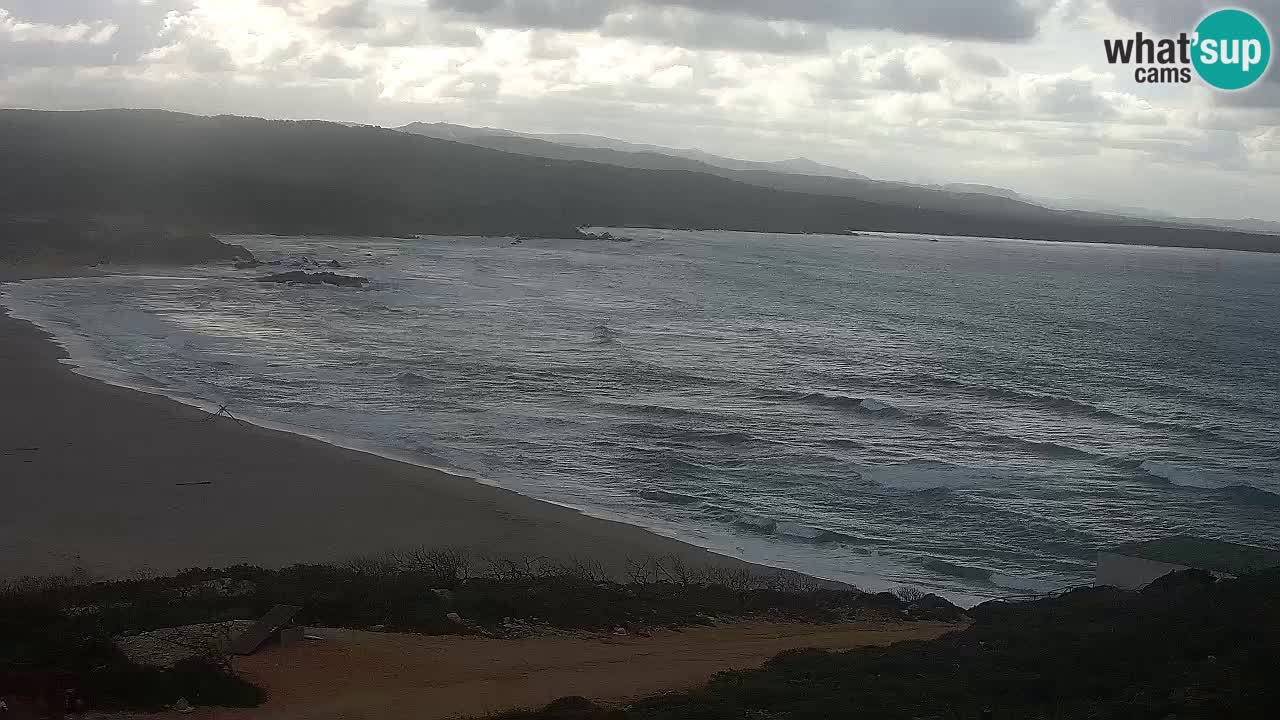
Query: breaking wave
(1192, 477)
(830, 400)
(792, 530)
(664, 496)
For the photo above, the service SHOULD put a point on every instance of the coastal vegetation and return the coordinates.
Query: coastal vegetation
(1188, 646)
(1185, 647)
(78, 242)
(63, 630)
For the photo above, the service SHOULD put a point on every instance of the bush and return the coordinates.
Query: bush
(1182, 648)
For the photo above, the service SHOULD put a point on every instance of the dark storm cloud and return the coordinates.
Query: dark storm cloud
(1000, 20)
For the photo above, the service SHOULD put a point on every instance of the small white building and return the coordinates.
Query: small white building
(1135, 565)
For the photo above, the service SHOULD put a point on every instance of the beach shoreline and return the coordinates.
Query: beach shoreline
(111, 481)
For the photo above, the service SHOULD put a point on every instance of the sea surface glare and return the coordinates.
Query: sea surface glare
(970, 416)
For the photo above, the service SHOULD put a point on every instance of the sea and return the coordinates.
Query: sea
(970, 416)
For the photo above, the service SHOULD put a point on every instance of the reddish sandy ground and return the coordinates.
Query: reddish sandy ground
(391, 676)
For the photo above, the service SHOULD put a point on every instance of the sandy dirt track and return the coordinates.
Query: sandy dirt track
(391, 676)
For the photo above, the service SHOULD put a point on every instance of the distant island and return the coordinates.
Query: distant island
(233, 174)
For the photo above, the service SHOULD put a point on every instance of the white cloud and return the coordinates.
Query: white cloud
(19, 31)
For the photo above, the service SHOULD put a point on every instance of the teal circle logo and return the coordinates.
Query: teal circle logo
(1232, 49)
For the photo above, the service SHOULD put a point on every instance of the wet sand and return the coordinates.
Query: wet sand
(115, 482)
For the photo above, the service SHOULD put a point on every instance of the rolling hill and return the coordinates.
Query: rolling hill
(235, 174)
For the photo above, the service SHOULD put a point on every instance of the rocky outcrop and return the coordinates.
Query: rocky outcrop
(94, 242)
(301, 277)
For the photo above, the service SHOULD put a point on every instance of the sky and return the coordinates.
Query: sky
(1011, 93)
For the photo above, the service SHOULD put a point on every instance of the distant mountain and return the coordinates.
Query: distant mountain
(589, 148)
(233, 174)
(805, 166)
(1253, 225)
(462, 133)
(984, 190)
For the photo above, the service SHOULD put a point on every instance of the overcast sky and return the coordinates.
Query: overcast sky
(1014, 93)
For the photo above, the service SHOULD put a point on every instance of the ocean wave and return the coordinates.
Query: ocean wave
(1188, 476)
(794, 531)
(989, 577)
(1044, 448)
(664, 496)
(925, 475)
(656, 410)
(1072, 406)
(964, 572)
(605, 335)
(830, 400)
(756, 523)
(724, 437)
(1031, 585)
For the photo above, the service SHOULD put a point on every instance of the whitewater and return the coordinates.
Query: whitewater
(971, 416)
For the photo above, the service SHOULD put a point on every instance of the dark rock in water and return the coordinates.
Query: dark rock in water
(306, 278)
(411, 379)
(334, 264)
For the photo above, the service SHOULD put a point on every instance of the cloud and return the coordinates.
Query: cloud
(696, 30)
(21, 31)
(1173, 16)
(355, 14)
(980, 64)
(558, 14)
(1068, 95)
(998, 20)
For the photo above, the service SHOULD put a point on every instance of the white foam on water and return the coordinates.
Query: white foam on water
(875, 406)
(1190, 476)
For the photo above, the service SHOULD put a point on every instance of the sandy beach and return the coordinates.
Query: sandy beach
(117, 482)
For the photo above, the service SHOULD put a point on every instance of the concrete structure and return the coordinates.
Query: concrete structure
(1136, 565)
(277, 625)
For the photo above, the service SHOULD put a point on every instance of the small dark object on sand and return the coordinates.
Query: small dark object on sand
(306, 278)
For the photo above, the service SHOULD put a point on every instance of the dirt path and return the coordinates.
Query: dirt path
(391, 676)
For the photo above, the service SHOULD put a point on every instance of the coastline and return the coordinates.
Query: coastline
(114, 481)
